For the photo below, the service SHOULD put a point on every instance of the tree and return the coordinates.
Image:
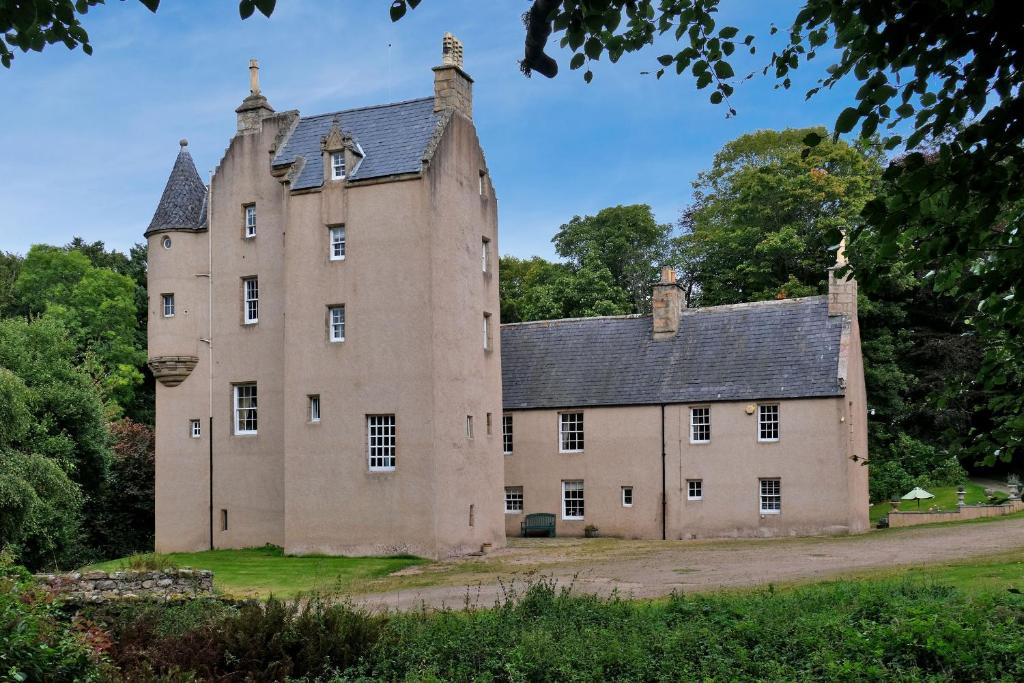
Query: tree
(10, 266)
(97, 306)
(124, 520)
(765, 216)
(535, 289)
(626, 240)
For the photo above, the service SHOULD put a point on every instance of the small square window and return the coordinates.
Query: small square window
(337, 236)
(700, 425)
(694, 489)
(627, 496)
(337, 165)
(168, 302)
(195, 428)
(768, 422)
(314, 407)
(506, 434)
(771, 496)
(250, 221)
(336, 323)
(570, 432)
(513, 500)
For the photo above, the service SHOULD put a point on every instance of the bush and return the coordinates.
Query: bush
(35, 644)
(153, 562)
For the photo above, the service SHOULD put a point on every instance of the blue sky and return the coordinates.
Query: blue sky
(88, 141)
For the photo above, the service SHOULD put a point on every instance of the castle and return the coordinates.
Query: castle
(333, 378)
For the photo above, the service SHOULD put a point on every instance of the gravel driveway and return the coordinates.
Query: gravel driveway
(645, 569)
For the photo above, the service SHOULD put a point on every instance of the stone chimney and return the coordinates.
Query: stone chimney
(666, 305)
(453, 88)
(842, 292)
(255, 107)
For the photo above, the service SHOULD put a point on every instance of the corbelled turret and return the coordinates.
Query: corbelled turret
(183, 204)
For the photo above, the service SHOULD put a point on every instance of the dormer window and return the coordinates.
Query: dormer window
(337, 165)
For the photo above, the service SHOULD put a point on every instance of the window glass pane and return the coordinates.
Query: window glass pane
(245, 408)
(768, 422)
(572, 500)
(694, 489)
(513, 499)
(700, 425)
(337, 242)
(381, 441)
(252, 299)
(506, 434)
(771, 495)
(314, 408)
(570, 428)
(337, 323)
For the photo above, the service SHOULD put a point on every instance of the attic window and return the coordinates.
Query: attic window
(337, 165)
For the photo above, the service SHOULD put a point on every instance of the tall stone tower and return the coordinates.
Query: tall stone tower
(334, 333)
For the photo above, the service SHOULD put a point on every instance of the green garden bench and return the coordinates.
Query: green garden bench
(539, 523)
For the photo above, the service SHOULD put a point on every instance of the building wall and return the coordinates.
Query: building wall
(623, 448)
(414, 296)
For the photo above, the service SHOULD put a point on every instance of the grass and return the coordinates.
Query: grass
(945, 499)
(265, 571)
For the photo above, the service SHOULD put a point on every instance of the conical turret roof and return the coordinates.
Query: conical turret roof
(183, 204)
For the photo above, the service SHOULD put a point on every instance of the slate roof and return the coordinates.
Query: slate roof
(393, 138)
(183, 204)
(766, 350)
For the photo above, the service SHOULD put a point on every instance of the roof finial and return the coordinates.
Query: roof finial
(841, 259)
(183, 142)
(254, 77)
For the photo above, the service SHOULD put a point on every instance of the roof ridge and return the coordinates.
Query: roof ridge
(572, 320)
(367, 107)
(752, 304)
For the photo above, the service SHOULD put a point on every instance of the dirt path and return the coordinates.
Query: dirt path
(651, 568)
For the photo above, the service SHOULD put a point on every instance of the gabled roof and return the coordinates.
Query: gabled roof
(183, 204)
(393, 137)
(766, 350)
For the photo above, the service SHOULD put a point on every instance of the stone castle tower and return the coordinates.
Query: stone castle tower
(324, 332)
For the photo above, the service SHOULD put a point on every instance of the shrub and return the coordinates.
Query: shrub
(148, 562)
(35, 644)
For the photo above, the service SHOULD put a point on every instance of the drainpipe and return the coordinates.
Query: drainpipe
(209, 241)
(664, 497)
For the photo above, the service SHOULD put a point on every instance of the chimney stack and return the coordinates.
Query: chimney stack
(842, 292)
(666, 305)
(255, 107)
(453, 88)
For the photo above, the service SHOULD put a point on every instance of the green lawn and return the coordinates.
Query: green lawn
(945, 499)
(265, 571)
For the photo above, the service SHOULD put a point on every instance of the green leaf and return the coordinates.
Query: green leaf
(665, 60)
(728, 32)
(716, 97)
(577, 60)
(847, 120)
(588, 76)
(812, 139)
(398, 9)
(266, 7)
(151, 5)
(246, 8)
(723, 70)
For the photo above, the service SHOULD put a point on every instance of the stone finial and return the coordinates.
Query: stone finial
(183, 143)
(842, 292)
(666, 305)
(254, 107)
(451, 51)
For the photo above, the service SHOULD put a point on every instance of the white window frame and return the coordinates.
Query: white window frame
(336, 323)
(469, 426)
(627, 496)
(485, 254)
(487, 331)
(250, 222)
(195, 428)
(770, 495)
(573, 486)
(382, 442)
(694, 489)
(250, 300)
(513, 500)
(313, 403)
(254, 409)
(570, 432)
(338, 165)
(700, 424)
(168, 304)
(768, 415)
(507, 440)
(336, 242)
